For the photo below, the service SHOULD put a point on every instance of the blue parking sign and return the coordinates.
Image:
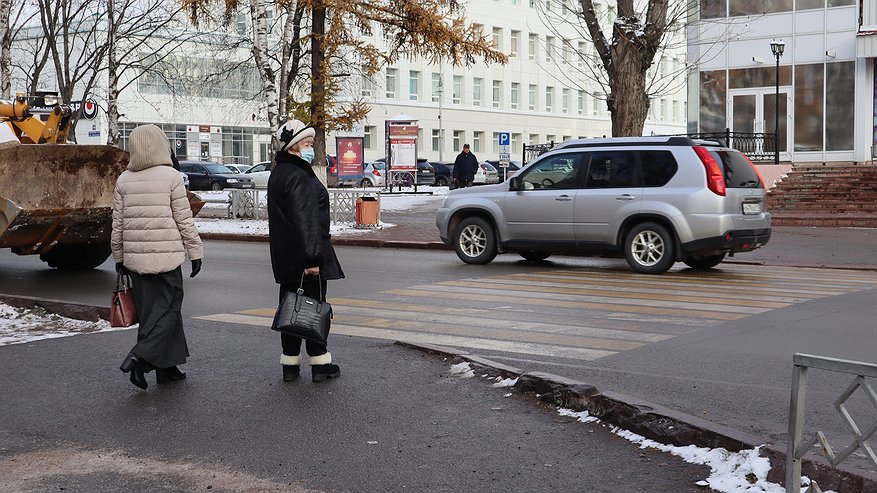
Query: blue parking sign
(505, 138)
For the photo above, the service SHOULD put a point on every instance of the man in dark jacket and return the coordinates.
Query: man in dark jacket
(465, 167)
(298, 227)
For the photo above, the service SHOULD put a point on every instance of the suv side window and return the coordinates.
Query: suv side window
(557, 172)
(612, 169)
(657, 167)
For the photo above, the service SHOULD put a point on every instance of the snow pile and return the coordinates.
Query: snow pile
(463, 370)
(22, 325)
(582, 417)
(505, 382)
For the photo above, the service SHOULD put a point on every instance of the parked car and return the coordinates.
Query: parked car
(238, 168)
(213, 176)
(511, 170)
(185, 178)
(373, 175)
(442, 174)
(259, 173)
(425, 172)
(486, 174)
(652, 200)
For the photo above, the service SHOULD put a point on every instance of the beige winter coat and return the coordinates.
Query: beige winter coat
(153, 229)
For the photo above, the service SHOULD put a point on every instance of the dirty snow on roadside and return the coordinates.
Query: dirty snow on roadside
(730, 472)
(395, 202)
(22, 325)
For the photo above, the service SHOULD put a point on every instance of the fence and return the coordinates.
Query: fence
(533, 151)
(244, 204)
(797, 447)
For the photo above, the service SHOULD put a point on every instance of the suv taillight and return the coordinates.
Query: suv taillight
(760, 178)
(715, 180)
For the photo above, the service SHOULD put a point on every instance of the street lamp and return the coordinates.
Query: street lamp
(777, 47)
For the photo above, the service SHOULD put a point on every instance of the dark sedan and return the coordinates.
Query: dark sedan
(425, 173)
(213, 176)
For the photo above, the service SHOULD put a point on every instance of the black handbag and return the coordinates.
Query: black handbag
(302, 316)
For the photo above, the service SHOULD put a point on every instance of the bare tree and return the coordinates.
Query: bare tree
(10, 27)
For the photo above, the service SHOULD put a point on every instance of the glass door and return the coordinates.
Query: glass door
(755, 110)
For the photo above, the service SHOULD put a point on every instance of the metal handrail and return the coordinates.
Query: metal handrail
(797, 447)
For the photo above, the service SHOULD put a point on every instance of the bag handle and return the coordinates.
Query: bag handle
(123, 282)
(301, 285)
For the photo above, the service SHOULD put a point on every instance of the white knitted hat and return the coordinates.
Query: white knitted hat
(148, 147)
(291, 132)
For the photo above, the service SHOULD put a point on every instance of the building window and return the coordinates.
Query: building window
(516, 142)
(477, 139)
(477, 91)
(580, 107)
(242, 24)
(369, 140)
(532, 44)
(436, 87)
(663, 110)
(497, 93)
(391, 83)
(515, 40)
(413, 85)
(597, 104)
(675, 110)
(549, 98)
(839, 111)
(549, 48)
(564, 108)
(458, 89)
(515, 95)
(436, 140)
(566, 50)
(582, 54)
(534, 139)
(368, 84)
(496, 142)
(551, 138)
(458, 136)
(497, 38)
(531, 97)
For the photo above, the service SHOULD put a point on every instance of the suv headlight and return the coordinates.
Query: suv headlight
(232, 180)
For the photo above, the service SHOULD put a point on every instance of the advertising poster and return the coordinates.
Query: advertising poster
(403, 147)
(350, 156)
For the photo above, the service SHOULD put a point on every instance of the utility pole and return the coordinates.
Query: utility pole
(441, 96)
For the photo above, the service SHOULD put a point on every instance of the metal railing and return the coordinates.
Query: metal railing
(342, 204)
(797, 447)
(758, 146)
(532, 151)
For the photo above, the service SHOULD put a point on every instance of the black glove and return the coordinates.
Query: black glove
(121, 269)
(196, 267)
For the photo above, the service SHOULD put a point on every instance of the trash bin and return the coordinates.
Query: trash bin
(367, 209)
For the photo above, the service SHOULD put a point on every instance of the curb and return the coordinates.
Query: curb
(67, 309)
(336, 240)
(657, 422)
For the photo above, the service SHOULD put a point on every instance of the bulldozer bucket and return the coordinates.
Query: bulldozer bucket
(53, 196)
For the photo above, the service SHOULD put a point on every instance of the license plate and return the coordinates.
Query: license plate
(751, 207)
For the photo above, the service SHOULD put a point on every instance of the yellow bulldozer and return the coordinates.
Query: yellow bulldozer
(55, 198)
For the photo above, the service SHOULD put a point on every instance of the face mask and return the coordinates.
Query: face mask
(308, 154)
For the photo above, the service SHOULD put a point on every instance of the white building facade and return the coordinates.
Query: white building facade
(827, 89)
(206, 96)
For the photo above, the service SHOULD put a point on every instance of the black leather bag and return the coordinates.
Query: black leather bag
(302, 316)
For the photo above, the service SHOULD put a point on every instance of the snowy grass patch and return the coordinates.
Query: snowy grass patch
(23, 325)
(259, 227)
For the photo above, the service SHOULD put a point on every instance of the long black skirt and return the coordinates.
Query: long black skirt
(158, 299)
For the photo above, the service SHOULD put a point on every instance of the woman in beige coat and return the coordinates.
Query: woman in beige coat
(153, 233)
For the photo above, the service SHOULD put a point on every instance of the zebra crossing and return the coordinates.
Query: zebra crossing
(581, 313)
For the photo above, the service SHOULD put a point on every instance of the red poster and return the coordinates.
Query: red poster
(350, 156)
(403, 151)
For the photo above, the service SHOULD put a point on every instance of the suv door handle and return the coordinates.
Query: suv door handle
(625, 197)
(563, 198)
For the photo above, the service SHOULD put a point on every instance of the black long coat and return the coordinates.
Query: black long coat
(465, 166)
(298, 222)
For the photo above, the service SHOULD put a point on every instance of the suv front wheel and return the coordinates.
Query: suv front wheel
(649, 248)
(475, 241)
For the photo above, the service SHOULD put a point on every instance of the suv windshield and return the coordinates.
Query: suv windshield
(738, 172)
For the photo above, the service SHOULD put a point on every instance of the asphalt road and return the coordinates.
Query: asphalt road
(727, 363)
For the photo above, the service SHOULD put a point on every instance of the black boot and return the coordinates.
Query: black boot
(290, 372)
(172, 374)
(322, 372)
(135, 366)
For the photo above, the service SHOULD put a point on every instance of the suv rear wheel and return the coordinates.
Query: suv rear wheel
(649, 248)
(474, 241)
(703, 263)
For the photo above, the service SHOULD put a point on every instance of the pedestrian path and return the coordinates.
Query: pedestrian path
(582, 314)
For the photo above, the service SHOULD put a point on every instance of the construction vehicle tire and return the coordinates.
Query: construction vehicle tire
(76, 257)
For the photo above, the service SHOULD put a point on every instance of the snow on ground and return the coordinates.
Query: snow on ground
(730, 472)
(22, 325)
(217, 203)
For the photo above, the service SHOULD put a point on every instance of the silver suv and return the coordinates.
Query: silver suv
(653, 200)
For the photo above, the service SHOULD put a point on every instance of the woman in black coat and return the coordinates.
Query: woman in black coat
(298, 226)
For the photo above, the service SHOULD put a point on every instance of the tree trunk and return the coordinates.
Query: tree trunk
(628, 100)
(112, 76)
(259, 16)
(318, 88)
(5, 44)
